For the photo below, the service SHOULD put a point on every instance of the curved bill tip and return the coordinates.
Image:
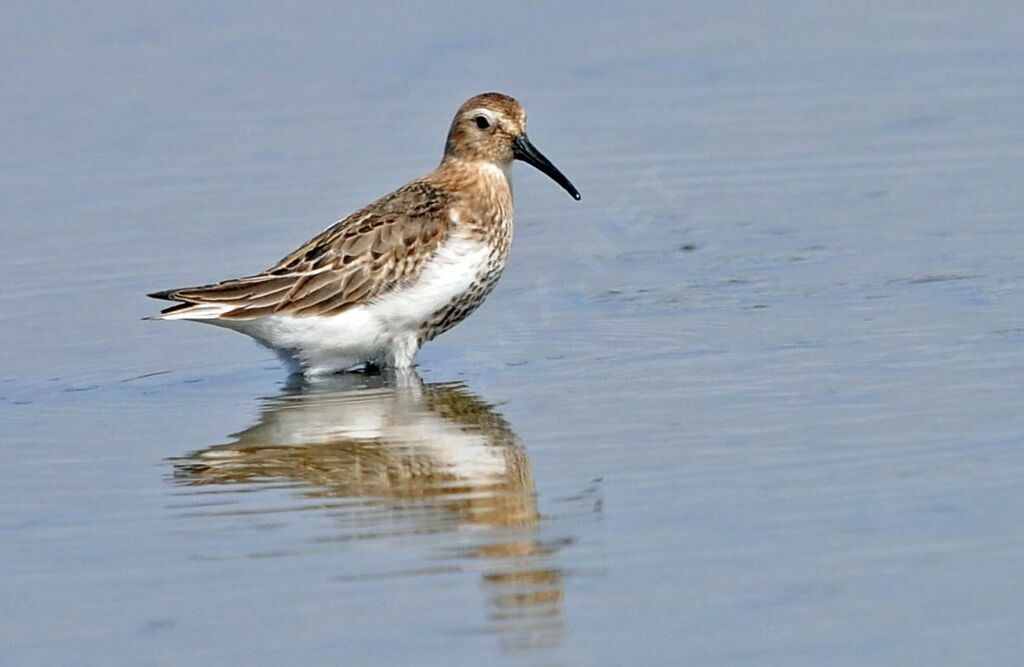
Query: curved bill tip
(523, 150)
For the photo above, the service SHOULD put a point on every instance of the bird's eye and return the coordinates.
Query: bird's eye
(482, 122)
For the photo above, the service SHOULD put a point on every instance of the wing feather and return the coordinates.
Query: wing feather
(355, 260)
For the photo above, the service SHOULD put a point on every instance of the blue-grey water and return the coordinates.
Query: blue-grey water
(756, 400)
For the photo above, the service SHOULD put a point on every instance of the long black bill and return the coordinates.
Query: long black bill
(523, 150)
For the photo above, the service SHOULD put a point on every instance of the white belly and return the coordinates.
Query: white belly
(384, 330)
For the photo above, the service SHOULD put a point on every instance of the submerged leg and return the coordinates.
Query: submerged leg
(403, 350)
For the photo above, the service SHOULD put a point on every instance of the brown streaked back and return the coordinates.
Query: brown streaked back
(365, 255)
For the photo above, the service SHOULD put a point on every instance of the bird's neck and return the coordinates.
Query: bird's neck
(486, 186)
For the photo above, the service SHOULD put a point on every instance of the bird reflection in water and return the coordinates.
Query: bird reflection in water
(434, 452)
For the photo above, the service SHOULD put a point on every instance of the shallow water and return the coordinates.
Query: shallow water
(754, 401)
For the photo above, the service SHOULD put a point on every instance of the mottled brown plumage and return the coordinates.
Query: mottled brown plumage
(356, 259)
(399, 247)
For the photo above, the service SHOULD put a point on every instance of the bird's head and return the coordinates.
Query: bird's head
(492, 128)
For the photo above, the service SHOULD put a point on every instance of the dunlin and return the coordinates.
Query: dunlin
(372, 288)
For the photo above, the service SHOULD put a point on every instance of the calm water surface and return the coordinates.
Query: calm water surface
(756, 400)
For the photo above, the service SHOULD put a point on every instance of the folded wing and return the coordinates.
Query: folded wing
(364, 256)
